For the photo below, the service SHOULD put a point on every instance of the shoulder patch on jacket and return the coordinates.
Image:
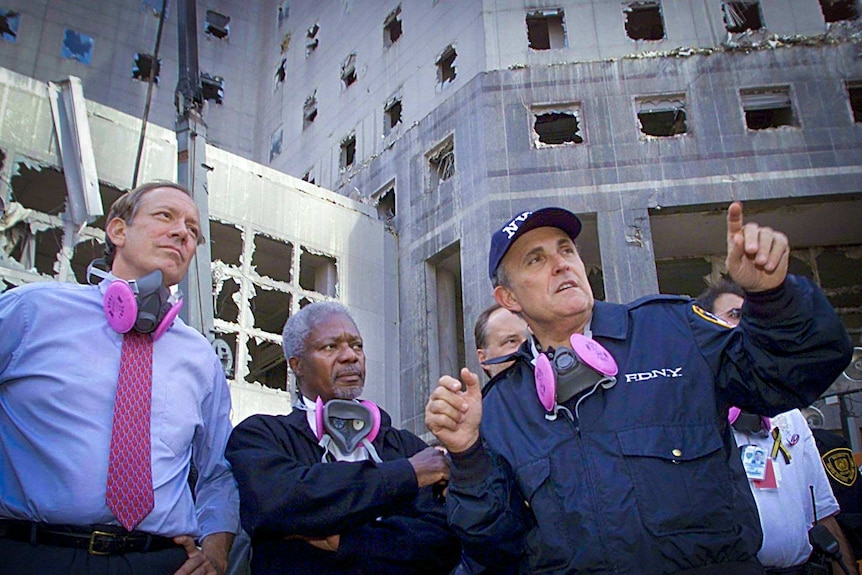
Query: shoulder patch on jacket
(702, 313)
(840, 465)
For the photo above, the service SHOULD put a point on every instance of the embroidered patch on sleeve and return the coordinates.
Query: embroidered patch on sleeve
(840, 465)
(709, 316)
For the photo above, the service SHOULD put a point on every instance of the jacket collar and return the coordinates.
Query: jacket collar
(610, 320)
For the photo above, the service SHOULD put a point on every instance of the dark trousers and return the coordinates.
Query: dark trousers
(20, 558)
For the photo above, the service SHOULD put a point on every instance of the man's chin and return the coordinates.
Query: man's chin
(349, 392)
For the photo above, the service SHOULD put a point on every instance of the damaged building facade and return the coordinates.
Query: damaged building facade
(277, 243)
(440, 119)
(647, 118)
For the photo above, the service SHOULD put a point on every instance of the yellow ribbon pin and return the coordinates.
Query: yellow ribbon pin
(777, 446)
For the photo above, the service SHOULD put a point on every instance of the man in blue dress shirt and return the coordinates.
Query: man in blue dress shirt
(60, 356)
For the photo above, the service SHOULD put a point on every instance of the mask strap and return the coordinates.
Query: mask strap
(371, 450)
(101, 274)
(325, 442)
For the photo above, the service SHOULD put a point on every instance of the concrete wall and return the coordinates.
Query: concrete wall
(406, 68)
(488, 35)
(596, 29)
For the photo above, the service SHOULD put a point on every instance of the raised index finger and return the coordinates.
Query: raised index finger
(734, 220)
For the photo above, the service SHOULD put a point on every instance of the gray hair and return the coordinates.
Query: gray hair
(300, 324)
(501, 278)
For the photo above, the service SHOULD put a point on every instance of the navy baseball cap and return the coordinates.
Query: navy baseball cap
(503, 238)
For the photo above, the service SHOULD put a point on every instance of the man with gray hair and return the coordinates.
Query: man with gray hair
(333, 487)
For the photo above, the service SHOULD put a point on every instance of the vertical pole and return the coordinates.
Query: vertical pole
(191, 171)
(197, 285)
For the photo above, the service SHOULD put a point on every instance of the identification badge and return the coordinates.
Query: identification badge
(754, 462)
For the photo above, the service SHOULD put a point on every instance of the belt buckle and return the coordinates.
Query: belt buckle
(92, 547)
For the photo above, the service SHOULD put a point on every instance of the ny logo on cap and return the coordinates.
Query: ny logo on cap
(512, 227)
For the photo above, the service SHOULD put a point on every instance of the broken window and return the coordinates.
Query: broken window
(742, 15)
(48, 244)
(40, 189)
(282, 13)
(216, 25)
(446, 66)
(348, 70)
(854, 92)
(285, 43)
(348, 152)
(392, 27)
(838, 10)
(280, 73)
(212, 88)
(840, 276)
(311, 40)
(597, 281)
(270, 308)
(304, 301)
(309, 110)
(226, 307)
(644, 21)
(546, 30)
(682, 276)
(268, 366)
(441, 163)
(9, 22)
(391, 114)
(143, 67)
(318, 272)
(85, 252)
(554, 127)
(384, 201)
(272, 257)
(662, 115)
(767, 108)
(77, 46)
(309, 176)
(225, 243)
(275, 141)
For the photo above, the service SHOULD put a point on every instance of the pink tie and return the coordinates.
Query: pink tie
(130, 476)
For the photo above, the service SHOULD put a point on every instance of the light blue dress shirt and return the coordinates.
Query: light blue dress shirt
(59, 363)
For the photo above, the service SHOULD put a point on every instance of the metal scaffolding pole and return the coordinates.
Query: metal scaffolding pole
(191, 169)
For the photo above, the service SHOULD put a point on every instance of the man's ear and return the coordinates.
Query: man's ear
(481, 355)
(507, 299)
(116, 231)
(293, 362)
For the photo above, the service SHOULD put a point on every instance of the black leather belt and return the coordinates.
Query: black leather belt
(96, 539)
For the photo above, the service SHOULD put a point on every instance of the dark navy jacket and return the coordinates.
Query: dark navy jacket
(386, 523)
(646, 479)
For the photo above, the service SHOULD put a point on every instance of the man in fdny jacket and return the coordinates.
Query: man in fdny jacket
(605, 448)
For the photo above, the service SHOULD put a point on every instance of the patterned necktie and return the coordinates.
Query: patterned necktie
(130, 477)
